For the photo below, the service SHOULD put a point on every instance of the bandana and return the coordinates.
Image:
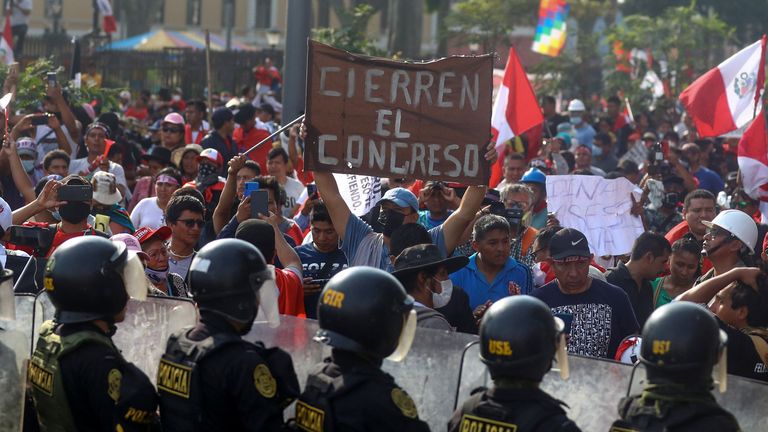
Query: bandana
(164, 178)
(98, 125)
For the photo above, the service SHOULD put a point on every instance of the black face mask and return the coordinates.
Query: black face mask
(75, 212)
(670, 200)
(390, 219)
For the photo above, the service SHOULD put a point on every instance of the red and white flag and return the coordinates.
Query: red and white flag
(516, 109)
(6, 43)
(753, 162)
(724, 99)
(108, 23)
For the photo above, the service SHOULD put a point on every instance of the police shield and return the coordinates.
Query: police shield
(142, 336)
(15, 344)
(595, 387)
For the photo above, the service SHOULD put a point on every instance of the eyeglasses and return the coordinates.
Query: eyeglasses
(192, 222)
(535, 254)
(172, 130)
(157, 253)
(715, 232)
(741, 204)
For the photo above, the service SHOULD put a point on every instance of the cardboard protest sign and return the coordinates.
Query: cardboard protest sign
(361, 193)
(387, 118)
(597, 207)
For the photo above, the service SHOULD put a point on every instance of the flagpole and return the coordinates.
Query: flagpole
(760, 77)
(208, 72)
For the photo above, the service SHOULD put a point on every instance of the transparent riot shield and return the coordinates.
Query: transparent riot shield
(15, 341)
(595, 387)
(143, 335)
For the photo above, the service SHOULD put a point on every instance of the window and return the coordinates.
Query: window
(194, 10)
(227, 10)
(263, 14)
(160, 15)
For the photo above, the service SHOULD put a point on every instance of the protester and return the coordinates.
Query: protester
(277, 166)
(220, 138)
(158, 158)
(536, 180)
(172, 131)
(439, 200)
(683, 269)
(514, 168)
(518, 202)
(184, 215)
(708, 179)
(150, 212)
(585, 133)
(106, 201)
(699, 206)
(247, 135)
(185, 159)
(95, 136)
(603, 156)
(583, 156)
(729, 243)
(56, 162)
(157, 268)
(599, 313)
(196, 127)
(664, 218)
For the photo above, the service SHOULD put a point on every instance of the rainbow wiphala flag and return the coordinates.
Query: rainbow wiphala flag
(550, 32)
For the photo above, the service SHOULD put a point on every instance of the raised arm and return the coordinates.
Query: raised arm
(705, 291)
(66, 114)
(458, 221)
(223, 210)
(45, 201)
(285, 253)
(20, 177)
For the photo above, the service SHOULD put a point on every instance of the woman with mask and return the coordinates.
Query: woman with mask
(156, 268)
(683, 271)
(423, 271)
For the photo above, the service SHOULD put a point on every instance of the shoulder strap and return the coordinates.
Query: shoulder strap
(657, 291)
(761, 345)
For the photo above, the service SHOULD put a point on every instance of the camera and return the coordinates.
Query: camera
(513, 215)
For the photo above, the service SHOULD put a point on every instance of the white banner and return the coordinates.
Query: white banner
(360, 193)
(597, 207)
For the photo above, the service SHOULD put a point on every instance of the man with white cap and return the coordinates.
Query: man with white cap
(585, 133)
(106, 201)
(729, 242)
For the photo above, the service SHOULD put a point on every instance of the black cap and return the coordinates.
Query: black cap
(268, 108)
(425, 256)
(245, 112)
(158, 153)
(567, 243)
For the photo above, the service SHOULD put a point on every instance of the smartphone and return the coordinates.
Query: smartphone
(51, 78)
(567, 320)
(311, 189)
(259, 203)
(25, 236)
(75, 193)
(250, 187)
(40, 120)
(101, 223)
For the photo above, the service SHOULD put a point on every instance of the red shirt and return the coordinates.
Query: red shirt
(188, 135)
(140, 114)
(246, 140)
(678, 232)
(291, 299)
(295, 233)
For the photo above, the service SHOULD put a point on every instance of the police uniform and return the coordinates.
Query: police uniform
(80, 382)
(511, 409)
(650, 412)
(349, 393)
(211, 379)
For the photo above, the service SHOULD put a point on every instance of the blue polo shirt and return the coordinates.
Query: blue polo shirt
(514, 278)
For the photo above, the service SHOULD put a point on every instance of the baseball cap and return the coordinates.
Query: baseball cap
(145, 234)
(105, 188)
(212, 155)
(401, 197)
(26, 146)
(131, 243)
(425, 256)
(649, 136)
(174, 118)
(568, 243)
(6, 216)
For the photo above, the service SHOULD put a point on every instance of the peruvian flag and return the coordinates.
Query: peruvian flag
(726, 97)
(753, 162)
(108, 23)
(516, 109)
(6, 43)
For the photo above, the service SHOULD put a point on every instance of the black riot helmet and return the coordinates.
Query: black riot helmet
(225, 278)
(90, 277)
(681, 342)
(519, 338)
(367, 311)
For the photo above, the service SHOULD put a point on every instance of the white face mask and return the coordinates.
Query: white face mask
(442, 299)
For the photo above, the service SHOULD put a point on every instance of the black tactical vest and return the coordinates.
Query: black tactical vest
(481, 413)
(659, 416)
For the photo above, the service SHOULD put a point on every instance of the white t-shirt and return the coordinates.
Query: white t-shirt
(76, 166)
(293, 190)
(17, 16)
(148, 214)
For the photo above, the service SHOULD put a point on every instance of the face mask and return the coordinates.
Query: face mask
(28, 165)
(206, 174)
(670, 200)
(156, 276)
(442, 299)
(597, 151)
(390, 219)
(75, 212)
(576, 120)
(176, 98)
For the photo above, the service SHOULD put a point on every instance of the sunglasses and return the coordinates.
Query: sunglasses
(172, 130)
(192, 222)
(715, 232)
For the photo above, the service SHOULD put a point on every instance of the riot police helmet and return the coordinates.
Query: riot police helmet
(519, 338)
(367, 311)
(681, 343)
(225, 278)
(89, 278)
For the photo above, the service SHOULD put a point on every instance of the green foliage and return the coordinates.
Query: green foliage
(489, 22)
(352, 34)
(30, 89)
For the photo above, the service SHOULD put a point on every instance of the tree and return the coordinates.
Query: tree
(489, 22)
(405, 28)
(352, 35)
(442, 8)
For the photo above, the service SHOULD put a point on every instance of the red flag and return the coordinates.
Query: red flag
(726, 98)
(6, 43)
(108, 23)
(753, 161)
(516, 109)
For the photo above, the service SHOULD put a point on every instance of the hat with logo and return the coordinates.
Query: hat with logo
(131, 243)
(26, 146)
(401, 197)
(105, 188)
(211, 155)
(145, 234)
(423, 257)
(6, 216)
(568, 243)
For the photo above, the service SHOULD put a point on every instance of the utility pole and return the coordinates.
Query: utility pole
(229, 14)
(295, 58)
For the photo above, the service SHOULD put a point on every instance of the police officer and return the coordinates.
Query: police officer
(519, 338)
(365, 316)
(80, 382)
(209, 378)
(681, 344)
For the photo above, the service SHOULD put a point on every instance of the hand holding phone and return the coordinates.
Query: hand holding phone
(259, 203)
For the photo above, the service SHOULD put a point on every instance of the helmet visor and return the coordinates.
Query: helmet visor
(135, 280)
(7, 301)
(720, 371)
(406, 337)
(266, 299)
(561, 352)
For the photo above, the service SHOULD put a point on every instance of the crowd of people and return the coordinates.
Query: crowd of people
(162, 180)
